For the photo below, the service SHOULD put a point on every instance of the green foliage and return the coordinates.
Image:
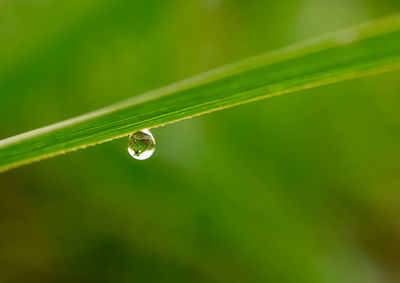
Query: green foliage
(348, 54)
(298, 188)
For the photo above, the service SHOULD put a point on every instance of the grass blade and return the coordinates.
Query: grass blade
(348, 54)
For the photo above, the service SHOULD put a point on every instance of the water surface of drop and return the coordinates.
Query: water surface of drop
(141, 144)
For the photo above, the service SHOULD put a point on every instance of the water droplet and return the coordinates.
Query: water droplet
(141, 144)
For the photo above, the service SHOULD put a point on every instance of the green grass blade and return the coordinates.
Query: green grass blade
(348, 54)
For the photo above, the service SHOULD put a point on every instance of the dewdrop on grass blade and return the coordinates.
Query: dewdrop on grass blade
(141, 144)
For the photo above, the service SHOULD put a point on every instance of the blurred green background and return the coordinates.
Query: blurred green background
(297, 188)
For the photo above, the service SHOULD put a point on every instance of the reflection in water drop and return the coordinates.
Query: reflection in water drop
(141, 144)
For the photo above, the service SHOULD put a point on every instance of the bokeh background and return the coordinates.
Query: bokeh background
(298, 188)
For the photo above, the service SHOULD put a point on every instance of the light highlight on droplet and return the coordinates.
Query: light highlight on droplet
(141, 144)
